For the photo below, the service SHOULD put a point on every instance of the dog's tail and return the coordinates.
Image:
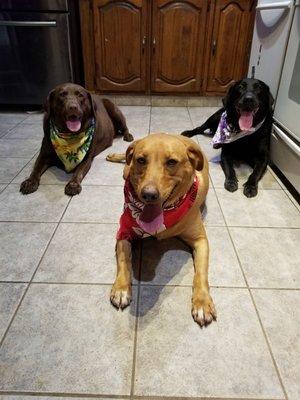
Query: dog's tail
(116, 157)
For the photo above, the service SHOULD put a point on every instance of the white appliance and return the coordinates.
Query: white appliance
(285, 140)
(271, 31)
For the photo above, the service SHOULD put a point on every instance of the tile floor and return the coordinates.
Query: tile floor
(61, 338)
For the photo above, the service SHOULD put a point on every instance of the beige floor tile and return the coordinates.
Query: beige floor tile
(21, 248)
(53, 175)
(200, 114)
(12, 397)
(269, 257)
(45, 205)
(166, 119)
(175, 357)
(293, 200)
(23, 148)
(96, 204)
(279, 311)
(83, 253)
(212, 214)
(26, 131)
(170, 261)
(10, 296)
(103, 172)
(270, 208)
(11, 117)
(68, 338)
(34, 118)
(242, 172)
(10, 167)
(5, 127)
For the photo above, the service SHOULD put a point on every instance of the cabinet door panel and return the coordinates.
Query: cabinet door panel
(120, 45)
(177, 45)
(232, 32)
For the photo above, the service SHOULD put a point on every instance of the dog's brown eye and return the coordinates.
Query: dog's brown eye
(63, 94)
(141, 160)
(171, 162)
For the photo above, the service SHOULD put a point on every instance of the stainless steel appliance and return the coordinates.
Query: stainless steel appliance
(285, 141)
(271, 31)
(39, 48)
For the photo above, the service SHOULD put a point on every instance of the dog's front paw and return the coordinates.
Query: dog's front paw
(120, 298)
(250, 190)
(73, 188)
(187, 133)
(128, 137)
(203, 309)
(29, 186)
(231, 185)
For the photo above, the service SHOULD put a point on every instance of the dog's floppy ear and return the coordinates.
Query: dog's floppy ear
(228, 94)
(130, 151)
(47, 109)
(194, 152)
(271, 100)
(93, 103)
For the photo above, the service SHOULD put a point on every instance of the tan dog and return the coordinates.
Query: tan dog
(161, 170)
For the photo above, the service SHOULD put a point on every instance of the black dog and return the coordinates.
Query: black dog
(248, 123)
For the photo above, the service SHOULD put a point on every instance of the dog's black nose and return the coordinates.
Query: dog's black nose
(249, 98)
(150, 193)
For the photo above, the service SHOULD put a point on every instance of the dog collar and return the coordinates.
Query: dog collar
(71, 149)
(226, 133)
(131, 227)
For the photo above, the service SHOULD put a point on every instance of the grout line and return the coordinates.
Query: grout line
(116, 223)
(14, 127)
(65, 394)
(114, 396)
(136, 321)
(149, 285)
(255, 307)
(29, 161)
(32, 277)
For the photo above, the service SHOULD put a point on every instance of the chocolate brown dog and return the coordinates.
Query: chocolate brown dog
(78, 125)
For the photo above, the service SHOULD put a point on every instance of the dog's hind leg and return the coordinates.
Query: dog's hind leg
(210, 124)
(116, 157)
(118, 120)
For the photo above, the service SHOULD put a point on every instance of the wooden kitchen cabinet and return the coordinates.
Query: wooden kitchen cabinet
(230, 41)
(178, 33)
(165, 46)
(120, 33)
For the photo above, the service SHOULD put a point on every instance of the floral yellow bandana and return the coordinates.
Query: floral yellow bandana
(71, 149)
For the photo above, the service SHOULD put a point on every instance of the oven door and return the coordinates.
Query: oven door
(287, 108)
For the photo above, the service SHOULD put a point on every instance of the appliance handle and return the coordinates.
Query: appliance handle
(277, 4)
(287, 140)
(28, 23)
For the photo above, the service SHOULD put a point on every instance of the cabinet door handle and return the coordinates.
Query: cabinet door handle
(143, 44)
(213, 48)
(154, 43)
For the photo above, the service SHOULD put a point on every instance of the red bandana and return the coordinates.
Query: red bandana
(131, 227)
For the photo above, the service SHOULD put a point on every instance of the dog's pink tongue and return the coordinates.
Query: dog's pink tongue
(151, 218)
(73, 126)
(246, 120)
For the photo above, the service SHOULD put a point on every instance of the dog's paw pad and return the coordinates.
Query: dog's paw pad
(72, 188)
(120, 298)
(29, 186)
(231, 185)
(128, 137)
(204, 312)
(250, 190)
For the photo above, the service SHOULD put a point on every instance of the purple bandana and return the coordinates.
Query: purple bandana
(226, 134)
